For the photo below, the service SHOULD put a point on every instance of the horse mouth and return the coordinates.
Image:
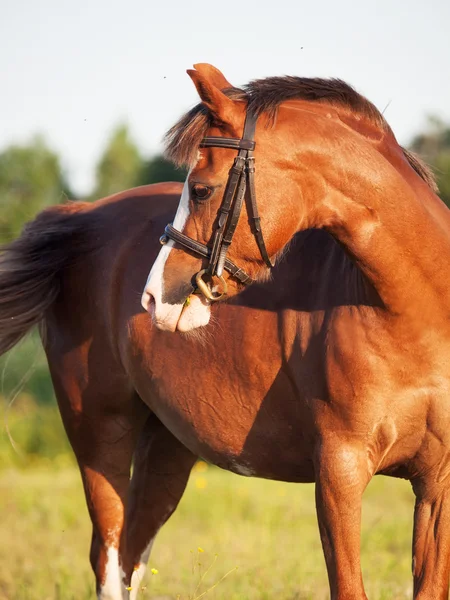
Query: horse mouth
(183, 317)
(195, 313)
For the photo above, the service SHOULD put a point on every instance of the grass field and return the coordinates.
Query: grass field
(266, 529)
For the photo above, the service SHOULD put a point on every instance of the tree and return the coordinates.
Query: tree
(120, 166)
(158, 169)
(30, 179)
(434, 147)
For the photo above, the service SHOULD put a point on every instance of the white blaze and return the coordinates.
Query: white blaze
(167, 316)
(155, 279)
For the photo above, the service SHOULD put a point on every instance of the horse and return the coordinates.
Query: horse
(365, 334)
(327, 367)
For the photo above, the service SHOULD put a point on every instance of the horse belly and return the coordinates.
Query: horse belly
(224, 401)
(250, 430)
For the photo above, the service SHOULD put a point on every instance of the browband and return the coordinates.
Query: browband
(233, 143)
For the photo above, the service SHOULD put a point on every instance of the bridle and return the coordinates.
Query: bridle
(240, 178)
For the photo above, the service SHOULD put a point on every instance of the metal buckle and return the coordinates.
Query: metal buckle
(203, 286)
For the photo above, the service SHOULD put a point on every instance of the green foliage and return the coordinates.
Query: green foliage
(158, 169)
(120, 166)
(27, 401)
(25, 367)
(30, 179)
(434, 147)
(442, 170)
(32, 435)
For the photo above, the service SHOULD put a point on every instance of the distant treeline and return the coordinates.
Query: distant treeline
(31, 177)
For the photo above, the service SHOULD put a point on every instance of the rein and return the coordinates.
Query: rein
(240, 178)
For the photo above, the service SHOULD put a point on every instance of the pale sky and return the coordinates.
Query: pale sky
(72, 70)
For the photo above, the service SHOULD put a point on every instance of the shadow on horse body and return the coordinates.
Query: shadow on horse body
(326, 371)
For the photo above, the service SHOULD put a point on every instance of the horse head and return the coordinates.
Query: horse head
(302, 153)
(218, 174)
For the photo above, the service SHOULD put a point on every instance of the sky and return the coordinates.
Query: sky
(73, 70)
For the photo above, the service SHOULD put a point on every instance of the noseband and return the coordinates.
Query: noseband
(241, 177)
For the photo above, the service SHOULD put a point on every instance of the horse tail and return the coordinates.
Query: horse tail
(31, 266)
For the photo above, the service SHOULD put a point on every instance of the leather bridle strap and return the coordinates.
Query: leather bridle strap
(234, 192)
(253, 211)
(232, 143)
(205, 251)
(241, 178)
(243, 171)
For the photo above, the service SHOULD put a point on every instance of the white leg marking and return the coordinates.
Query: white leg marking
(114, 587)
(139, 572)
(141, 567)
(243, 469)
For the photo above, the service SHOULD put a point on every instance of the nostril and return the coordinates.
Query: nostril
(148, 302)
(151, 306)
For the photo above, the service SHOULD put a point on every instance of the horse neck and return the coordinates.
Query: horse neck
(392, 225)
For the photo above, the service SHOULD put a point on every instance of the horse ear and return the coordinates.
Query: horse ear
(222, 107)
(214, 75)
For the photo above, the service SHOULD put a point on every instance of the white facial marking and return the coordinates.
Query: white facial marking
(167, 316)
(197, 314)
(113, 587)
(155, 279)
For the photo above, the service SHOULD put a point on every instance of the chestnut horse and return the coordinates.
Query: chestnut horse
(331, 368)
(364, 339)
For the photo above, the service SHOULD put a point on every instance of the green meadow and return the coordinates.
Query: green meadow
(232, 538)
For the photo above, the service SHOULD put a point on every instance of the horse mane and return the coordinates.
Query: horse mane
(421, 169)
(265, 96)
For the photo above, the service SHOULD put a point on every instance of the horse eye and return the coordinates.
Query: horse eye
(201, 192)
